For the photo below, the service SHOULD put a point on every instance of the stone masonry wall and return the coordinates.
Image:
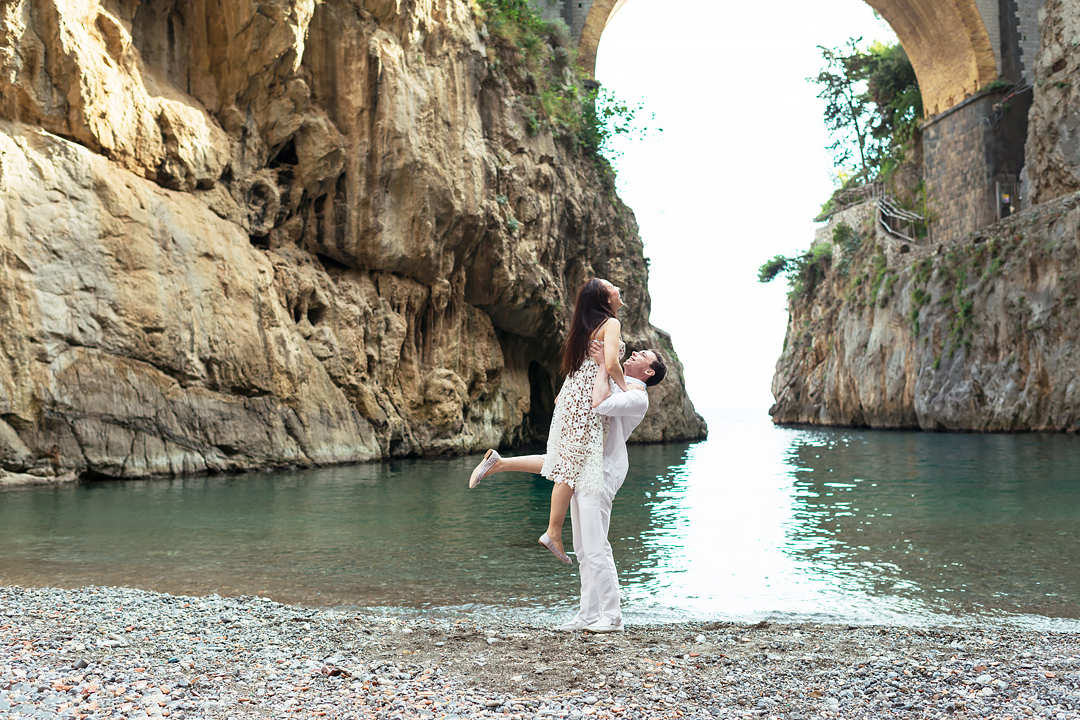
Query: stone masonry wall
(1019, 40)
(991, 16)
(550, 9)
(862, 215)
(576, 13)
(572, 12)
(958, 187)
(966, 149)
(1027, 20)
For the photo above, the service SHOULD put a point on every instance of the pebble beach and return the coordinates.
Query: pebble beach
(103, 652)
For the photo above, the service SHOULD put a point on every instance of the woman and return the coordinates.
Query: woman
(575, 445)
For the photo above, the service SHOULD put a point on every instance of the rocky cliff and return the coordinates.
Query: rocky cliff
(1053, 146)
(980, 334)
(285, 232)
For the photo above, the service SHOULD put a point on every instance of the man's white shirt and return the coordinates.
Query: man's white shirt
(625, 411)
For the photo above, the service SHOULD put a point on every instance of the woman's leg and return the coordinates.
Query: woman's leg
(561, 494)
(494, 463)
(524, 463)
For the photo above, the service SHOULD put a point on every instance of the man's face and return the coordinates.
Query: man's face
(639, 364)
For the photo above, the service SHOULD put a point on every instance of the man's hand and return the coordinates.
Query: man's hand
(596, 352)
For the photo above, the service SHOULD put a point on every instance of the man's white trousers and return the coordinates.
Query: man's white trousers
(590, 516)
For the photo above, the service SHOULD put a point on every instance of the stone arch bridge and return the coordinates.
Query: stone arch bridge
(958, 48)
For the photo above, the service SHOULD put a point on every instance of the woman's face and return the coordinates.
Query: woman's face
(614, 296)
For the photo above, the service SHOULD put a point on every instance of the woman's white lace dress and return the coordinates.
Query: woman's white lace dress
(575, 443)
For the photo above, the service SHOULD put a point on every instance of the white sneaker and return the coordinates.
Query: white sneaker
(572, 626)
(603, 627)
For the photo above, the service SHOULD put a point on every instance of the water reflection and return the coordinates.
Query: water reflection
(756, 522)
(959, 522)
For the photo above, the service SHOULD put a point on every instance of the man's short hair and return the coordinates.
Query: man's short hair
(659, 370)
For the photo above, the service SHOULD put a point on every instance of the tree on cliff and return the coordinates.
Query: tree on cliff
(872, 106)
(847, 108)
(892, 87)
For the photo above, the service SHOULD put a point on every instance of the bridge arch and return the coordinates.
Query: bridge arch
(948, 42)
(600, 14)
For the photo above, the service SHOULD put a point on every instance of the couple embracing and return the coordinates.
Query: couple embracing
(599, 405)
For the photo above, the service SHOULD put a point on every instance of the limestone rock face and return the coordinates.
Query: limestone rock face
(978, 336)
(144, 334)
(1053, 146)
(281, 232)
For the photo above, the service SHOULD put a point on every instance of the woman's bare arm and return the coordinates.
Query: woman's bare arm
(612, 335)
(602, 387)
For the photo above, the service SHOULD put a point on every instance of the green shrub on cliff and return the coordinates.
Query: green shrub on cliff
(604, 117)
(845, 238)
(566, 101)
(919, 298)
(771, 268)
(803, 271)
(880, 270)
(513, 20)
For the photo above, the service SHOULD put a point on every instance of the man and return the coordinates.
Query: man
(590, 513)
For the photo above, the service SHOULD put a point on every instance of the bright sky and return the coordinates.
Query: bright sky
(737, 174)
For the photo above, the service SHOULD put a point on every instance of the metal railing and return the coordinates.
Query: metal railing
(897, 221)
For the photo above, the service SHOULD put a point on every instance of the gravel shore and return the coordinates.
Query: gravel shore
(101, 652)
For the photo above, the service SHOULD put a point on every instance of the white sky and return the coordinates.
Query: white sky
(737, 174)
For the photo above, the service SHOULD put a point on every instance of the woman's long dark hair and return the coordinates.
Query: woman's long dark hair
(591, 310)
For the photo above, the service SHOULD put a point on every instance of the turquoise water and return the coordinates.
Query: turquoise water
(757, 522)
